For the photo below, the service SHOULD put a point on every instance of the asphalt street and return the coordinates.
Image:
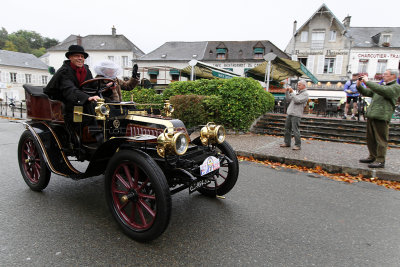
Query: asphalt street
(272, 217)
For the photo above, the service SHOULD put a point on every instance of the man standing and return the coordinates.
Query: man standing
(379, 113)
(350, 87)
(297, 102)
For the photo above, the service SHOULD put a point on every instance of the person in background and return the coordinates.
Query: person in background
(297, 102)
(109, 69)
(350, 87)
(379, 114)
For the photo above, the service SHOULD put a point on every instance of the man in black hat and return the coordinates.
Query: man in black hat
(65, 84)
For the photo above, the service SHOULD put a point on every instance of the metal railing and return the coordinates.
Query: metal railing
(13, 109)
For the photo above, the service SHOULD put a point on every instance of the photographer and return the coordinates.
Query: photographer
(379, 113)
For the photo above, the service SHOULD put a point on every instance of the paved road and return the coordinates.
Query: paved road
(271, 218)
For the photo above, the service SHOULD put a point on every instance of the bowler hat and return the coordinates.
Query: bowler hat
(76, 49)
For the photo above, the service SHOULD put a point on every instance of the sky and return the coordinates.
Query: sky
(151, 23)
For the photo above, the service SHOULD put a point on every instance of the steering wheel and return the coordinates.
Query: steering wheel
(101, 85)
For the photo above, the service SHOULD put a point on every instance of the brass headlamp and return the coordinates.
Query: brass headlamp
(168, 108)
(172, 142)
(102, 110)
(212, 134)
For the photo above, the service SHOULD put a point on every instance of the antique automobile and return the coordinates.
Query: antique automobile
(145, 155)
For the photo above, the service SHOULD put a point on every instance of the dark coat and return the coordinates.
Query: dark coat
(64, 86)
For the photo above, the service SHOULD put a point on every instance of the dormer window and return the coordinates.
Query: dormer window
(385, 38)
(258, 53)
(221, 53)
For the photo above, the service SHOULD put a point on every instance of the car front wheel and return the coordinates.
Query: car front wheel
(138, 195)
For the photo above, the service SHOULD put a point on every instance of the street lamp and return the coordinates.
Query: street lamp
(268, 57)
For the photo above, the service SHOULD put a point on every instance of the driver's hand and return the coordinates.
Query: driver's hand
(93, 98)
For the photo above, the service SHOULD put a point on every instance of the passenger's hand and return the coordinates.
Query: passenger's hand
(365, 78)
(93, 98)
(290, 89)
(110, 84)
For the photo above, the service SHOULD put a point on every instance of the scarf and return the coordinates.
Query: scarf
(80, 73)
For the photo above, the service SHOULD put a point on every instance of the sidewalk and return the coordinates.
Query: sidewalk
(333, 157)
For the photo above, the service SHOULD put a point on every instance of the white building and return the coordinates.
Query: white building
(114, 47)
(332, 50)
(163, 65)
(17, 69)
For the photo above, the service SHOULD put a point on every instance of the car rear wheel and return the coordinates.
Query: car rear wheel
(226, 176)
(31, 162)
(138, 195)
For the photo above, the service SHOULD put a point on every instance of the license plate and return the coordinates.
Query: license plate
(197, 184)
(210, 164)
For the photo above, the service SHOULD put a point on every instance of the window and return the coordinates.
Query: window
(125, 61)
(362, 66)
(111, 58)
(13, 77)
(28, 78)
(385, 38)
(304, 37)
(332, 36)
(258, 53)
(329, 65)
(44, 79)
(382, 65)
(303, 60)
(174, 77)
(221, 53)
(317, 39)
(153, 78)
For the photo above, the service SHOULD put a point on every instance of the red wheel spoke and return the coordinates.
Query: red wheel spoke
(119, 191)
(122, 181)
(143, 184)
(147, 196)
(149, 210)
(141, 214)
(123, 205)
(128, 175)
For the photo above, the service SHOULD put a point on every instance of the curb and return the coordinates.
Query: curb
(330, 168)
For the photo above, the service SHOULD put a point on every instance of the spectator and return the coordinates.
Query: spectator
(297, 102)
(379, 113)
(350, 87)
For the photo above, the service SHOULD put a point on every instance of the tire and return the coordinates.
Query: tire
(227, 174)
(33, 168)
(140, 204)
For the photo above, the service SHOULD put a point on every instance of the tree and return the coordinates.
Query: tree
(20, 42)
(34, 39)
(3, 37)
(49, 42)
(10, 46)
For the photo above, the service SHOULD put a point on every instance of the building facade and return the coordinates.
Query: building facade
(114, 47)
(333, 51)
(162, 66)
(17, 69)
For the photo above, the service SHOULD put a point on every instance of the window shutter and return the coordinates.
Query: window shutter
(19, 78)
(320, 67)
(34, 79)
(339, 63)
(310, 63)
(8, 77)
(3, 77)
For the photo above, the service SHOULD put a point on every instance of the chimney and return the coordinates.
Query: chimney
(113, 31)
(79, 40)
(294, 27)
(346, 21)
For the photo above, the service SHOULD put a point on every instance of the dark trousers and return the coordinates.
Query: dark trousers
(377, 139)
(292, 124)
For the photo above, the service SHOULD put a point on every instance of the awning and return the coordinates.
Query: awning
(281, 68)
(174, 72)
(207, 71)
(153, 71)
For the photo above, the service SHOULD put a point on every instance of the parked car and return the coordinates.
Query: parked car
(146, 156)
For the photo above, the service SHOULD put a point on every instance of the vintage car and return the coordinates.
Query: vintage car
(145, 155)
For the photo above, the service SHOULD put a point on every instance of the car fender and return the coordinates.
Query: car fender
(51, 148)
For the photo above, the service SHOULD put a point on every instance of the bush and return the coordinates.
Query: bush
(235, 102)
(143, 96)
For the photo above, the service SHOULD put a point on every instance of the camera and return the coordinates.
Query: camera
(360, 78)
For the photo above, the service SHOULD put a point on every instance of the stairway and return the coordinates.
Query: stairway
(322, 128)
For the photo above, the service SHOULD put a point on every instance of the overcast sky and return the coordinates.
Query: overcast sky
(150, 23)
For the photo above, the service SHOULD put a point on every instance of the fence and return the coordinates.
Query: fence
(13, 109)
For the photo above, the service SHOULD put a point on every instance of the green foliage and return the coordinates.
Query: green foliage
(143, 96)
(25, 41)
(190, 109)
(236, 104)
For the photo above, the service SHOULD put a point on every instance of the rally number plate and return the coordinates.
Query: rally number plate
(210, 164)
